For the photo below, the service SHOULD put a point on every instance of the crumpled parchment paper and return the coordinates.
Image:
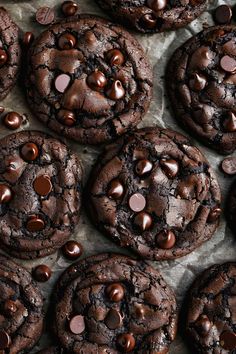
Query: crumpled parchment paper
(159, 47)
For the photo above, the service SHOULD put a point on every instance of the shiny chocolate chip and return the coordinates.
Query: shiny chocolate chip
(69, 8)
(170, 167)
(156, 5)
(223, 14)
(143, 221)
(228, 165)
(29, 151)
(115, 57)
(197, 82)
(116, 91)
(96, 80)
(166, 239)
(228, 64)
(28, 39)
(5, 194)
(113, 319)
(35, 224)
(230, 122)
(42, 273)
(143, 167)
(42, 185)
(115, 292)
(3, 57)
(12, 120)
(149, 21)
(77, 324)
(5, 340)
(137, 202)
(203, 325)
(67, 41)
(66, 117)
(214, 214)
(72, 250)
(115, 189)
(125, 342)
(228, 340)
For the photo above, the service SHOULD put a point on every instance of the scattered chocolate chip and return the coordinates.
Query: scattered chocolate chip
(230, 122)
(116, 91)
(12, 120)
(28, 39)
(69, 8)
(197, 82)
(9, 308)
(143, 167)
(45, 15)
(228, 165)
(2, 109)
(143, 221)
(96, 80)
(3, 57)
(115, 189)
(214, 214)
(29, 152)
(203, 325)
(72, 250)
(67, 41)
(42, 273)
(42, 185)
(5, 340)
(137, 202)
(115, 57)
(228, 64)
(228, 340)
(149, 21)
(77, 324)
(126, 342)
(5, 193)
(62, 82)
(223, 14)
(115, 292)
(35, 224)
(170, 167)
(166, 239)
(157, 5)
(66, 117)
(113, 319)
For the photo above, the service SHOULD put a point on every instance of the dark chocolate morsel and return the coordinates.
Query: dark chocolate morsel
(115, 57)
(197, 82)
(66, 41)
(5, 340)
(126, 342)
(203, 325)
(214, 214)
(69, 8)
(157, 5)
(116, 91)
(9, 307)
(28, 38)
(29, 151)
(3, 57)
(42, 273)
(42, 185)
(228, 340)
(228, 165)
(166, 239)
(115, 190)
(12, 120)
(149, 21)
(115, 292)
(170, 167)
(113, 319)
(35, 224)
(66, 117)
(72, 250)
(143, 221)
(5, 193)
(223, 14)
(96, 80)
(230, 122)
(77, 324)
(143, 167)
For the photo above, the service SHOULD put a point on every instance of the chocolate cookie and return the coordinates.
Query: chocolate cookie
(112, 304)
(201, 78)
(88, 79)
(52, 350)
(10, 53)
(230, 211)
(40, 185)
(212, 311)
(21, 309)
(154, 192)
(151, 16)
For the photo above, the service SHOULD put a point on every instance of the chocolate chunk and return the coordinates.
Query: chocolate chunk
(126, 342)
(12, 120)
(137, 202)
(42, 273)
(77, 324)
(29, 151)
(69, 8)
(67, 41)
(62, 82)
(45, 15)
(115, 190)
(115, 292)
(116, 91)
(35, 224)
(115, 57)
(113, 319)
(143, 221)
(223, 14)
(42, 185)
(72, 250)
(166, 239)
(228, 165)
(5, 193)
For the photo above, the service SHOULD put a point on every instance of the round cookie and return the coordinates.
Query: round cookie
(88, 79)
(21, 309)
(154, 192)
(150, 16)
(10, 53)
(114, 304)
(40, 186)
(52, 350)
(201, 81)
(230, 211)
(212, 312)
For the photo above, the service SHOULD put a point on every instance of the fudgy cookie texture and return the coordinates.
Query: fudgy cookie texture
(40, 186)
(230, 211)
(201, 78)
(114, 304)
(212, 312)
(88, 79)
(154, 192)
(52, 350)
(151, 16)
(10, 53)
(21, 309)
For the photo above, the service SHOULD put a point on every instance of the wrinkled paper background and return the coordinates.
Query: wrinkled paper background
(158, 47)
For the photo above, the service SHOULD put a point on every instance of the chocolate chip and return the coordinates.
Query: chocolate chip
(230, 122)
(45, 15)
(149, 21)
(116, 91)
(2, 109)
(69, 8)
(113, 319)
(3, 57)
(28, 38)
(115, 189)
(29, 151)
(228, 64)
(143, 167)
(156, 5)
(197, 82)
(5, 340)
(66, 41)
(115, 57)
(203, 325)
(42, 273)
(143, 221)
(166, 239)
(115, 292)
(228, 165)
(96, 80)
(214, 214)
(62, 82)
(35, 224)
(77, 324)
(125, 342)
(72, 250)
(5, 193)
(66, 117)
(228, 340)
(9, 308)
(223, 14)
(12, 120)
(170, 167)
(137, 202)
(42, 185)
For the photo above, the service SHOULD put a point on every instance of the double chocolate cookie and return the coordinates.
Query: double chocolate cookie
(52, 350)
(231, 208)
(21, 309)
(201, 78)
(114, 304)
(151, 16)
(88, 79)
(40, 185)
(10, 53)
(154, 192)
(212, 311)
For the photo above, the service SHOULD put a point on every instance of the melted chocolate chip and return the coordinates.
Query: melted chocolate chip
(223, 14)
(214, 215)
(230, 122)
(203, 325)
(12, 120)
(9, 308)
(115, 292)
(166, 239)
(66, 41)
(115, 57)
(149, 21)
(228, 64)
(77, 324)
(35, 224)
(170, 167)
(126, 342)
(5, 193)
(62, 82)
(29, 151)
(116, 91)
(143, 167)
(42, 185)
(5, 340)
(197, 82)
(3, 57)
(228, 340)
(45, 15)
(143, 221)
(28, 38)
(96, 80)
(72, 250)
(228, 165)
(113, 319)
(69, 8)
(137, 202)
(66, 117)
(42, 273)
(156, 5)
(115, 190)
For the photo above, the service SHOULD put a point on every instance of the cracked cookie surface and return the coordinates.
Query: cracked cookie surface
(88, 79)
(21, 309)
(212, 312)
(230, 211)
(154, 192)
(52, 350)
(10, 53)
(151, 16)
(112, 304)
(201, 78)
(40, 186)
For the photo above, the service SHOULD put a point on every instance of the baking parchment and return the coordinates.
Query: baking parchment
(158, 47)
